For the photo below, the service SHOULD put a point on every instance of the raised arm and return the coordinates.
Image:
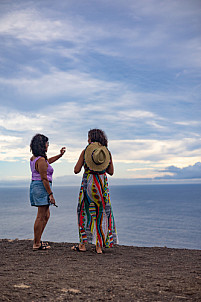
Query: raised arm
(54, 158)
(79, 164)
(110, 169)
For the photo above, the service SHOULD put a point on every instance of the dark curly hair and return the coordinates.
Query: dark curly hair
(38, 145)
(98, 135)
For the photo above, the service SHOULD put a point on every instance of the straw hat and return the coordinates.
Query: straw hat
(97, 157)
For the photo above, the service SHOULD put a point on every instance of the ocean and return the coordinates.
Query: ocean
(145, 215)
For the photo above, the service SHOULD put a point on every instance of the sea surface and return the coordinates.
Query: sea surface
(145, 215)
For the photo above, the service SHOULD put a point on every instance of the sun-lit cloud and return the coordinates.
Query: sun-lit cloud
(156, 153)
(20, 122)
(8, 139)
(10, 150)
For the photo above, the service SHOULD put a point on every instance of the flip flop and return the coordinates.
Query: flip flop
(77, 249)
(41, 247)
(45, 244)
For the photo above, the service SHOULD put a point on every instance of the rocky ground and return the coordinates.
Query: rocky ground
(123, 273)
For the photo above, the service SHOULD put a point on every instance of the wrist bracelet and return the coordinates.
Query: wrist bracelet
(50, 194)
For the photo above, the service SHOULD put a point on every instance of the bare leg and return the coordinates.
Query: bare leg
(98, 249)
(40, 223)
(46, 218)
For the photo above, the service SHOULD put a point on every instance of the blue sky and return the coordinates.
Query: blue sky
(131, 68)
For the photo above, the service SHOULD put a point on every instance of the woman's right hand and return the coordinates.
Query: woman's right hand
(52, 200)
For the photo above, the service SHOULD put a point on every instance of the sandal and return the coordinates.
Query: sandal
(77, 249)
(41, 247)
(45, 244)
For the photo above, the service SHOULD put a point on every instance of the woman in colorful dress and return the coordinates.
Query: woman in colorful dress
(41, 195)
(95, 217)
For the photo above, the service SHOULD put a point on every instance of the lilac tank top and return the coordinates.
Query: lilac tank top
(36, 174)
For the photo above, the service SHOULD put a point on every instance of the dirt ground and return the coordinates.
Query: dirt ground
(120, 274)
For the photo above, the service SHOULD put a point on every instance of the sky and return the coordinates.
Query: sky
(131, 68)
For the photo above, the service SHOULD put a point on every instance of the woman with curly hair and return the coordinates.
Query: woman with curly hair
(95, 217)
(41, 194)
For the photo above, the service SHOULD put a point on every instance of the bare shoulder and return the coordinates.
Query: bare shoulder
(41, 159)
(41, 162)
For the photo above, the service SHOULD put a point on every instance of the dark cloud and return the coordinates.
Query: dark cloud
(189, 172)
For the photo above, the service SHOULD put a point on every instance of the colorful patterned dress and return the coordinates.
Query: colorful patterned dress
(95, 217)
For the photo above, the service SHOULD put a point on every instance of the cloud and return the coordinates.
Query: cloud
(55, 83)
(140, 38)
(71, 121)
(20, 122)
(131, 68)
(150, 150)
(33, 26)
(189, 172)
(8, 139)
(188, 123)
(11, 150)
(58, 123)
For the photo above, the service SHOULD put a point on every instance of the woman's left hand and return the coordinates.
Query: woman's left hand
(62, 151)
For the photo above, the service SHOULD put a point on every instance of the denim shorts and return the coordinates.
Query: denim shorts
(38, 193)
